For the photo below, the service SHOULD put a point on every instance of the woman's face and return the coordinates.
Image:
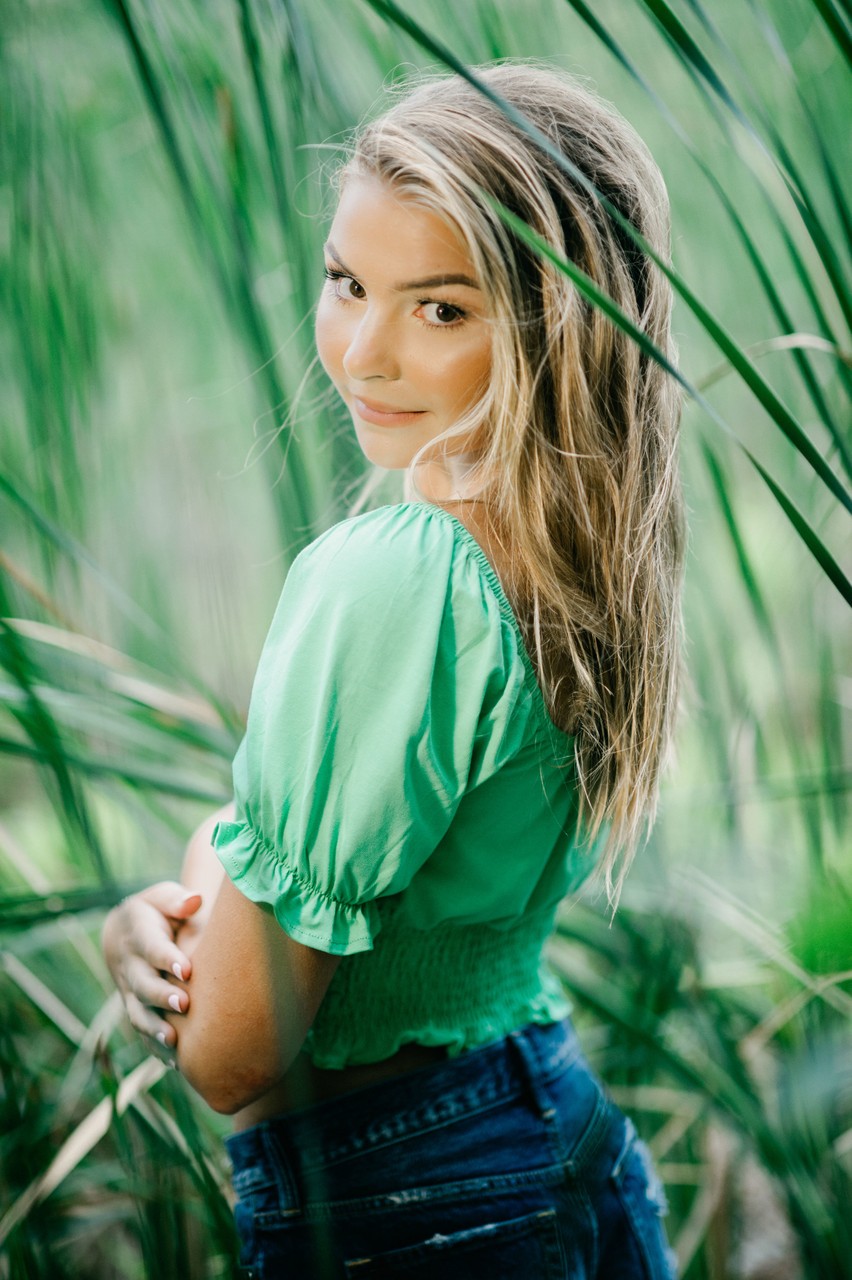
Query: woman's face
(401, 328)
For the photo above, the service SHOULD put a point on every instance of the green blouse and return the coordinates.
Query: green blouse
(402, 797)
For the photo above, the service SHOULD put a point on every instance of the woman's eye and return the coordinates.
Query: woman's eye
(344, 285)
(442, 314)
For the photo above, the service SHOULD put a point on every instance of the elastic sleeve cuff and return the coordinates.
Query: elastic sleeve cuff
(305, 912)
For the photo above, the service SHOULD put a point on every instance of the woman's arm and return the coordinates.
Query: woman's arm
(254, 993)
(248, 993)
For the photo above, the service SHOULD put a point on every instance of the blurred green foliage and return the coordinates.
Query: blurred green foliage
(169, 442)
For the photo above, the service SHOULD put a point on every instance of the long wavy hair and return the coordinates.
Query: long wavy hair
(577, 431)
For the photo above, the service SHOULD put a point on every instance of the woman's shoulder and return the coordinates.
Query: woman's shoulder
(412, 564)
(390, 541)
(413, 575)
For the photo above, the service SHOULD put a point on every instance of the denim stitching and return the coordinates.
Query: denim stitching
(459, 1191)
(448, 1108)
(590, 1140)
(543, 1225)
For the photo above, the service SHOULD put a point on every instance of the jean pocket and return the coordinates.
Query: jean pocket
(529, 1245)
(644, 1202)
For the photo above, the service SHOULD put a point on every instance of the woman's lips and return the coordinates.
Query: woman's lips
(384, 417)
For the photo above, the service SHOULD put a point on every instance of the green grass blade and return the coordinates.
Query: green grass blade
(234, 281)
(764, 275)
(697, 66)
(798, 751)
(274, 145)
(37, 723)
(788, 326)
(838, 24)
(747, 574)
(815, 225)
(164, 645)
(693, 59)
(805, 279)
(811, 539)
(162, 779)
(25, 911)
(773, 39)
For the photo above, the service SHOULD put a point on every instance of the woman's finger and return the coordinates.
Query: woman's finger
(152, 938)
(145, 1021)
(151, 989)
(164, 956)
(172, 899)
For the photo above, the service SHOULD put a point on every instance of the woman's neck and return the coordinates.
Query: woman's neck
(457, 489)
(473, 514)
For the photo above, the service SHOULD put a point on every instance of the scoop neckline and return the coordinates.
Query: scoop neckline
(491, 576)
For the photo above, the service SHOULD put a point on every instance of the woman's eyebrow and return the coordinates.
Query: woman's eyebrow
(430, 282)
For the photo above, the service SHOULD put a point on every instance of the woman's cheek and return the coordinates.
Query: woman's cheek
(330, 339)
(466, 378)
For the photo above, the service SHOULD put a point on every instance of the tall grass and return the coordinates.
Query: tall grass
(169, 443)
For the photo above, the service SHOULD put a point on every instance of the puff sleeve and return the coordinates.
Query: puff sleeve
(381, 695)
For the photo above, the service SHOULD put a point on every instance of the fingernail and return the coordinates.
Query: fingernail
(161, 1036)
(174, 1002)
(176, 970)
(186, 897)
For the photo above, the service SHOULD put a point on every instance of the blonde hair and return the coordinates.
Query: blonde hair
(578, 427)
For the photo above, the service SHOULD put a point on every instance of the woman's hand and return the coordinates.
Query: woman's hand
(139, 945)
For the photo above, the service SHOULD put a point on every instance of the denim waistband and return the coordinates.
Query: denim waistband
(323, 1132)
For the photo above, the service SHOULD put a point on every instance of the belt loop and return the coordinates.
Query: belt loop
(531, 1071)
(282, 1162)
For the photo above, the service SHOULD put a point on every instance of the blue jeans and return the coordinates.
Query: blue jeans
(506, 1162)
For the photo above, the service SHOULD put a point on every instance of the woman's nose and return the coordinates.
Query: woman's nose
(371, 351)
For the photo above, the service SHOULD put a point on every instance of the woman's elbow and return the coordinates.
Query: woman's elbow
(226, 1081)
(225, 1100)
(217, 1091)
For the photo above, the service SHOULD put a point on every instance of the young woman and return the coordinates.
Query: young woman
(460, 711)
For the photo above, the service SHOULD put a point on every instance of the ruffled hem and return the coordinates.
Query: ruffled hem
(549, 1006)
(304, 912)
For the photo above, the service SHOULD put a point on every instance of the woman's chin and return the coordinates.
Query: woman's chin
(388, 454)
